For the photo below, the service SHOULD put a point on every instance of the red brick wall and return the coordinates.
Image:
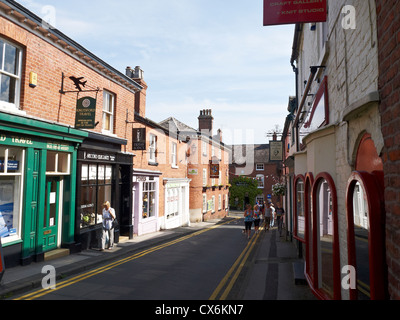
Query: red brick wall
(49, 62)
(388, 15)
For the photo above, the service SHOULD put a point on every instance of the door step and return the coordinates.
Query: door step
(55, 254)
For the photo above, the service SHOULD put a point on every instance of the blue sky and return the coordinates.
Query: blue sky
(195, 54)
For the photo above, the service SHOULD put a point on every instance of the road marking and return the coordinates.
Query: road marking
(66, 283)
(238, 266)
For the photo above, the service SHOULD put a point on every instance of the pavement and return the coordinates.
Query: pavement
(271, 276)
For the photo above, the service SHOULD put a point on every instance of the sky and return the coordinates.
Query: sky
(195, 54)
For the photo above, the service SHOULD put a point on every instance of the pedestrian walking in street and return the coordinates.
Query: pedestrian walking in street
(267, 216)
(279, 217)
(248, 220)
(256, 216)
(108, 230)
(273, 215)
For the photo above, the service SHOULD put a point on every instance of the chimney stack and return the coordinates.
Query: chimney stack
(206, 121)
(140, 97)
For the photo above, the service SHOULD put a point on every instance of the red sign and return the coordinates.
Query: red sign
(294, 11)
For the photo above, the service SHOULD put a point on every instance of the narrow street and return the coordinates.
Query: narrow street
(217, 263)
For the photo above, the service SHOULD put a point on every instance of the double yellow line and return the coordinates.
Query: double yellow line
(42, 292)
(238, 266)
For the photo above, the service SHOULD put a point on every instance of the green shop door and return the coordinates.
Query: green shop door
(51, 213)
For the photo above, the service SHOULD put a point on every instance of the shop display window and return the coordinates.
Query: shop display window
(299, 209)
(96, 188)
(149, 200)
(11, 182)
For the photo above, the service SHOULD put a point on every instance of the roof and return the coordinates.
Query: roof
(64, 43)
(174, 124)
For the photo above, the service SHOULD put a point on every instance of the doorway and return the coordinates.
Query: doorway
(52, 213)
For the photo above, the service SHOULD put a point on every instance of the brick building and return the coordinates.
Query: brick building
(388, 20)
(207, 167)
(254, 161)
(333, 140)
(57, 169)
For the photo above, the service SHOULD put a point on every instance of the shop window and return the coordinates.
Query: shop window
(10, 74)
(366, 235)
(149, 200)
(327, 284)
(11, 182)
(310, 270)
(96, 188)
(299, 209)
(172, 203)
(57, 163)
(108, 112)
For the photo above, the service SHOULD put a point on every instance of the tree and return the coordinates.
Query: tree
(242, 187)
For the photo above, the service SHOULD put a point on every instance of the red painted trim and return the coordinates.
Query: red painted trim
(373, 185)
(323, 90)
(336, 249)
(309, 180)
(295, 235)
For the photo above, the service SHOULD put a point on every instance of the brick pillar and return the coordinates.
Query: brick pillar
(388, 21)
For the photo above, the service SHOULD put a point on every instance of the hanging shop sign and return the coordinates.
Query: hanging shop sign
(85, 113)
(294, 11)
(139, 139)
(275, 151)
(214, 170)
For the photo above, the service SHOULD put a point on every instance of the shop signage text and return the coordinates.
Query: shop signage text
(97, 156)
(85, 113)
(294, 11)
(139, 139)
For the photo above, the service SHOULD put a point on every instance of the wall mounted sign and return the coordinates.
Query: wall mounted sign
(139, 139)
(85, 113)
(214, 170)
(275, 151)
(294, 11)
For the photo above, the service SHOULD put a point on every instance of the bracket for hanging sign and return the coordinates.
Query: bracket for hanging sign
(78, 85)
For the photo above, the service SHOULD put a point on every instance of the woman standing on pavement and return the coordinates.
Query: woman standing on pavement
(248, 220)
(256, 216)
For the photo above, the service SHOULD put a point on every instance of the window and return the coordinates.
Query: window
(149, 200)
(300, 209)
(204, 177)
(213, 204)
(57, 163)
(219, 202)
(10, 75)
(96, 181)
(11, 182)
(108, 112)
(226, 202)
(204, 203)
(204, 148)
(260, 166)
(172, 202)
(173, 155)
(153, 148)
(260, 180)
(219, 178)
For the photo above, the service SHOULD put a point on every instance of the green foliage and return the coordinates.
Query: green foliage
(242, 187)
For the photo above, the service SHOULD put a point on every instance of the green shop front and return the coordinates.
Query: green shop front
(37, 188)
